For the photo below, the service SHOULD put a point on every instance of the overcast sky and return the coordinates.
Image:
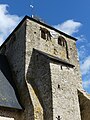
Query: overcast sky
(69, 16)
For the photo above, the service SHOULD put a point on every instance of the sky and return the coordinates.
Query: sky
(69, 16)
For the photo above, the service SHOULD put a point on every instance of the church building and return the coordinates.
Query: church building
(40, 76)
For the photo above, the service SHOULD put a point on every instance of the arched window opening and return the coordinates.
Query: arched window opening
(63, 43)
(59, 41)
(45, 34)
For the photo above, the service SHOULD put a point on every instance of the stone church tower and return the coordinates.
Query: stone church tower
(40, 77)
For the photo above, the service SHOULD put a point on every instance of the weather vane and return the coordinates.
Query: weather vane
(32, 9)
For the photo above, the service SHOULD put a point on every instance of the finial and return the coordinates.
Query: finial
(32, 10)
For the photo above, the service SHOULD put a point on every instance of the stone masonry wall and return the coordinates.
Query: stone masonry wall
(8, 114)
(65, 96)
(40, 86)
(84, 100)
(34, 40)
(74, 59)
(14, 49)
(69, 96)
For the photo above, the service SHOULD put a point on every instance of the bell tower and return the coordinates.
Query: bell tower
(45, 70)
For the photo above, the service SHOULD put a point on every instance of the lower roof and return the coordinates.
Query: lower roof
(7, 93)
